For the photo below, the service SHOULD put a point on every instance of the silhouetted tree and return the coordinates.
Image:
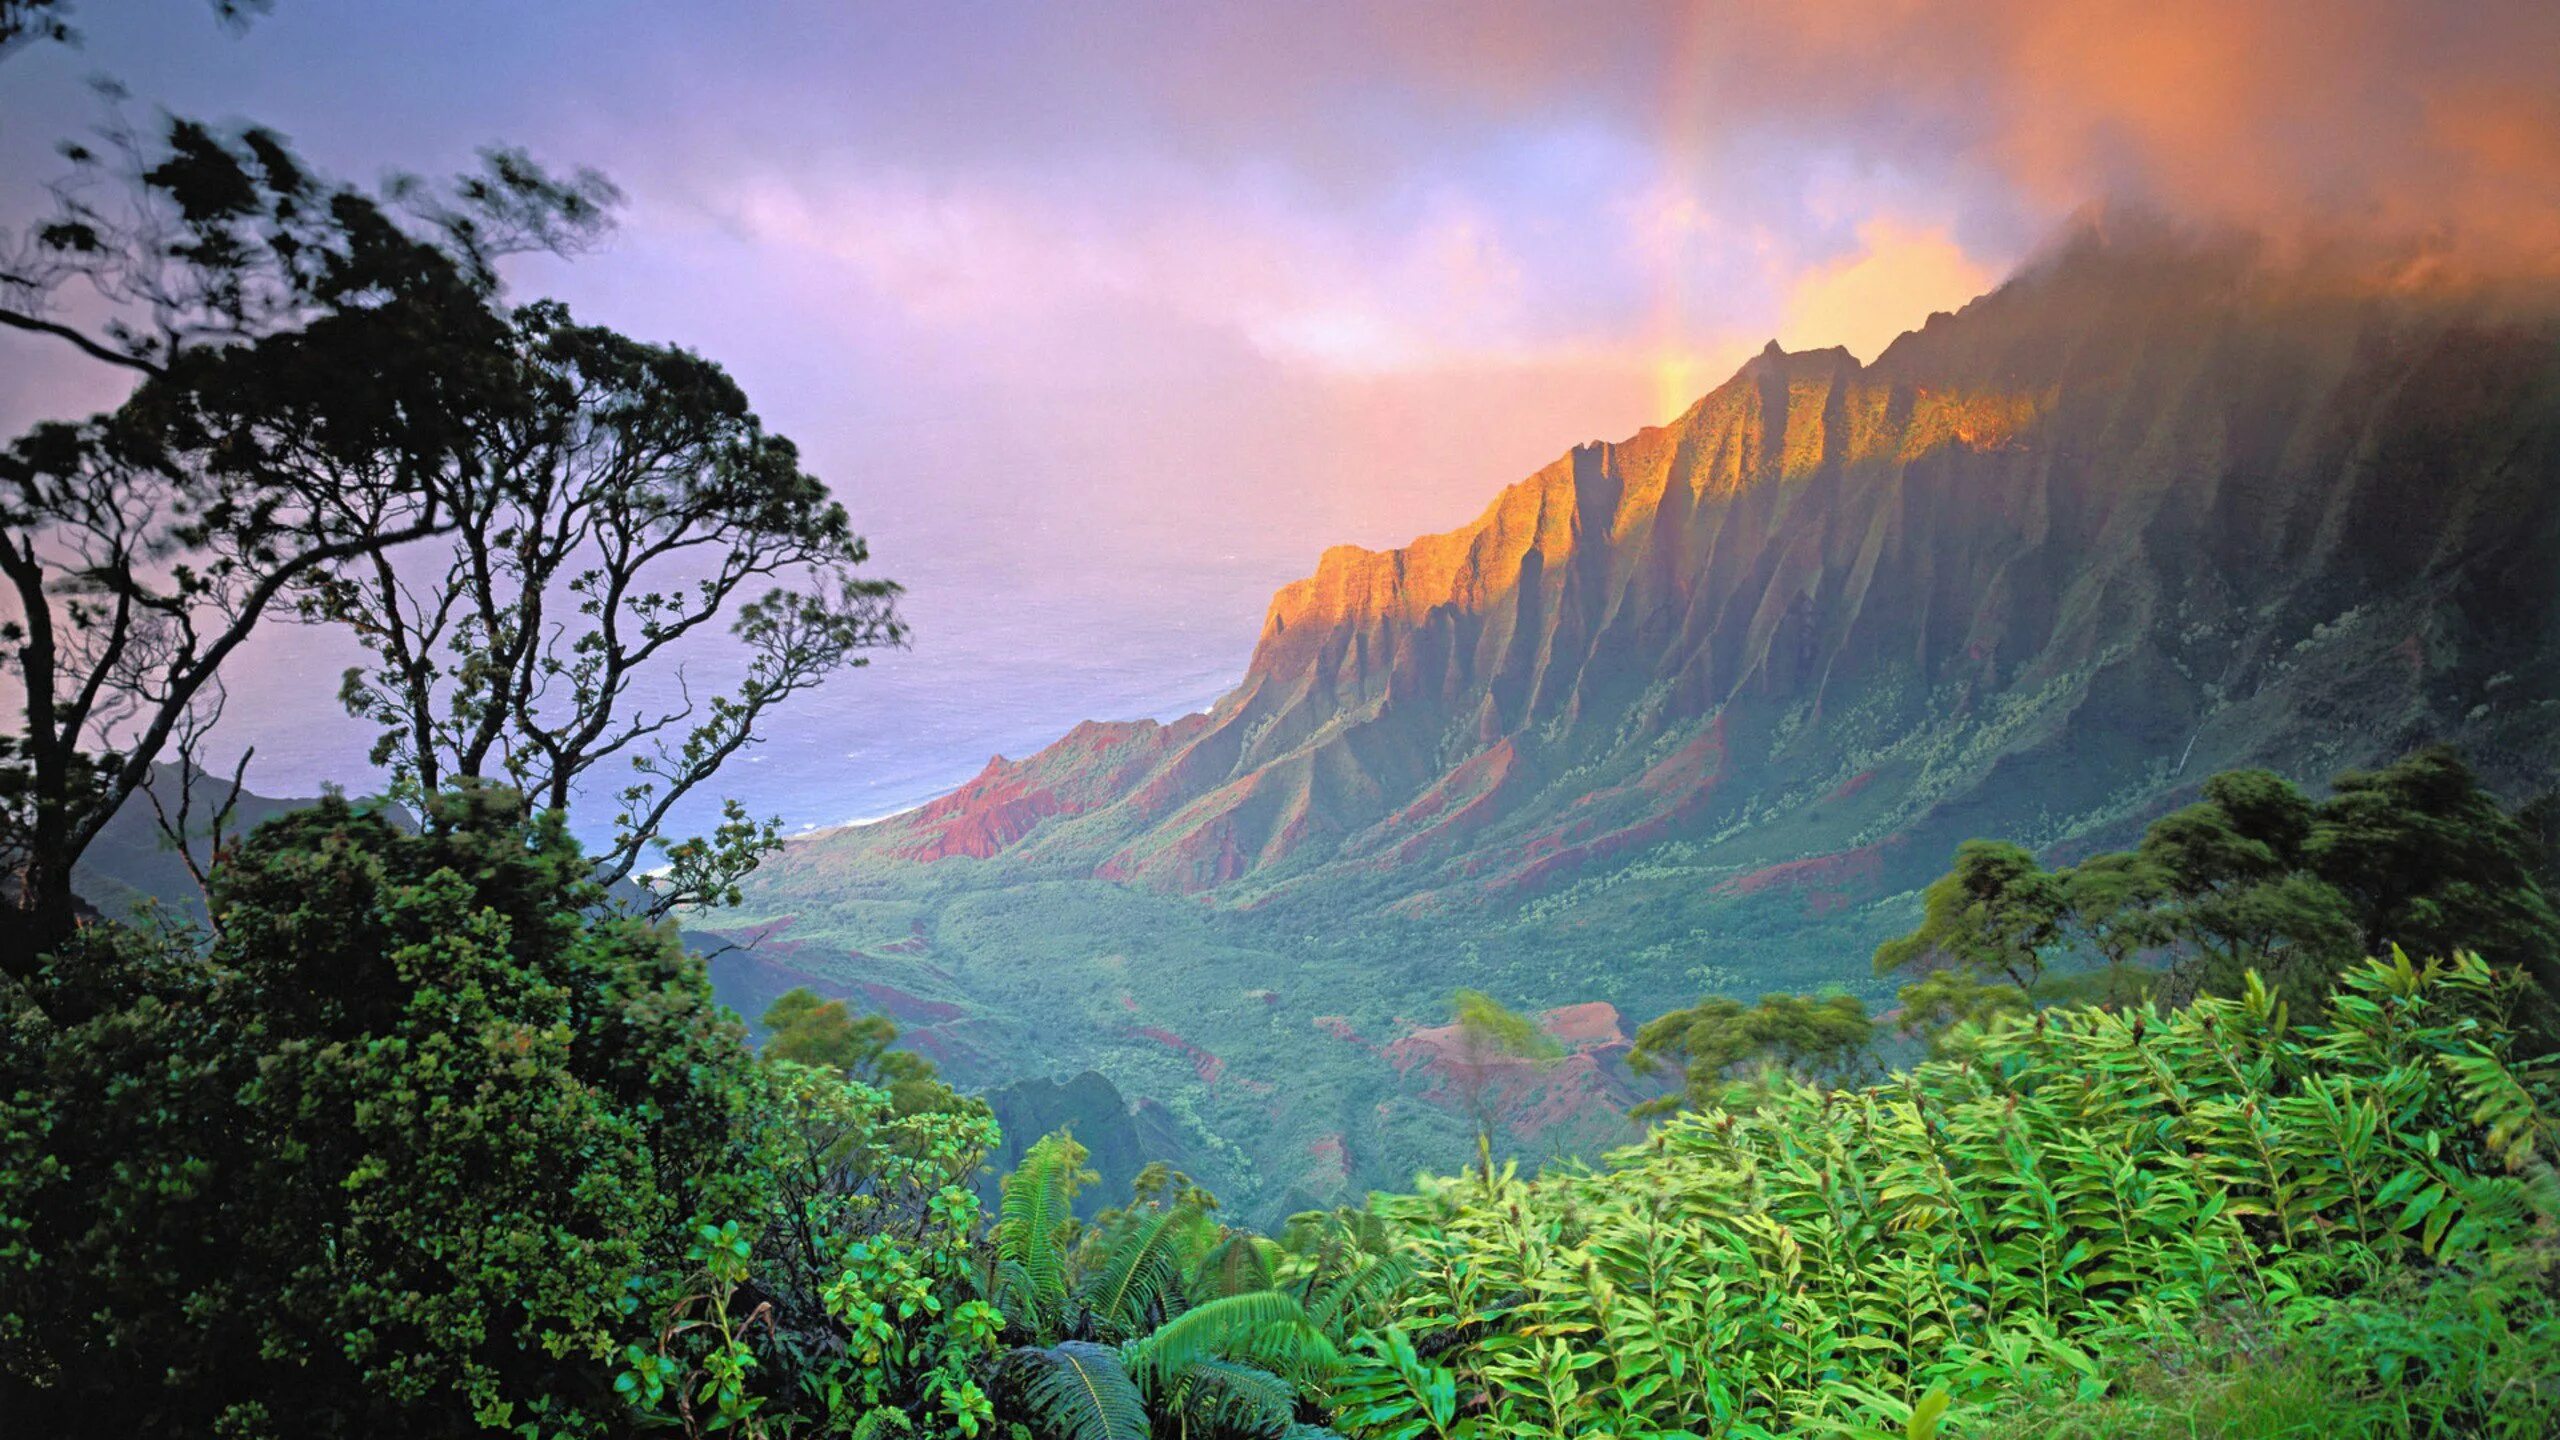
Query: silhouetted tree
(313, 365)
(621, 504)
(28, 22)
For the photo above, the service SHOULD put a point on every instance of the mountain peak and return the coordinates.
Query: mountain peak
(2012, 496)
(1709, 704)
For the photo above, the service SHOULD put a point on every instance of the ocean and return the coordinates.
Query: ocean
(1002, 662)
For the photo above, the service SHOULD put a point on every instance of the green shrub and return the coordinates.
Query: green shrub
(2024, 1227)
(849, 1303)
(410, 1149)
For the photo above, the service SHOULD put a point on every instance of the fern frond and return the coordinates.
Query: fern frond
(1267, 1328)
(1076, 1391)
(1141, 1276)
(1038, 1203)
(1015, 1294)
(1224, 1397)
(1340, 1300)
(1236, 1265)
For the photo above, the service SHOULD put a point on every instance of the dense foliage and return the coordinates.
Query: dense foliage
(417, 1136)
(2026, 1227)
(407, 1151)
(1158, 1320)
(429, 1141)
(842, 1296)
(2253, 877)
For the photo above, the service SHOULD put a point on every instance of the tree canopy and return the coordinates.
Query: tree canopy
(622, 503)
(534, 526)
(809, 1029)
(1492, 1037)
(1720, 1039)
(2254, 876)
(413, 1149)
(313, 362)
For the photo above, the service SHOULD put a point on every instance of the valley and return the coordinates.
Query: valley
(1700, 711)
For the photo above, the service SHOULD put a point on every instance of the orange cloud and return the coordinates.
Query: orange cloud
(1901, 274)
(2365, 122)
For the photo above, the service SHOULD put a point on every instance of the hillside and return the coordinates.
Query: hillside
(1701, 709)
(133, 861)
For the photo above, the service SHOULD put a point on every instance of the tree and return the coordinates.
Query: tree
(1493, 1041)
(1934, 1006)
(2237, 887)
(1995, 913)
(2111, 904)
(2430, 862)
(1719, 1039)
(311, 361)
(624, 506)
(1980, 948)
(2253, 877)
(808, 1029)
(411, 1150)
(2539, 819)
(28, 22)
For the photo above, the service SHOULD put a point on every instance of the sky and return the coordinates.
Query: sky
(1105, 319)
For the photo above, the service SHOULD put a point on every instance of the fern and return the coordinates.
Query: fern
(1037, 1208)
(1236, 1264)
(1208, 1346)
(1216, 1397)
(1141, 1275)
(1266, 1328)
(1346, 1297)
(2020, 1222)
(1077, 1390)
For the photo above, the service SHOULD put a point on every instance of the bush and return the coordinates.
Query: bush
(2025, 1229)
(413, 1148)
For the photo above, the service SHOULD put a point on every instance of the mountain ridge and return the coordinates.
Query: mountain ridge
(1701, 709)
(1398, 698)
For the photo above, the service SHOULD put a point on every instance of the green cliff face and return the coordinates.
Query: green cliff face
(1701, 709)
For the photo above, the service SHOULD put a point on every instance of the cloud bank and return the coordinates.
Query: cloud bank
(1128, 309)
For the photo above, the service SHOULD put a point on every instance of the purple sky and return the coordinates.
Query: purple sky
(1105, 319)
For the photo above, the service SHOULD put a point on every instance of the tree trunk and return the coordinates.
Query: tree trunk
(43, 916)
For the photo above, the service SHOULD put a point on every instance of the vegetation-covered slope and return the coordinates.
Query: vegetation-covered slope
(2088, 1219)
(1702, 710)
(2135, 508)
(277, 1184)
